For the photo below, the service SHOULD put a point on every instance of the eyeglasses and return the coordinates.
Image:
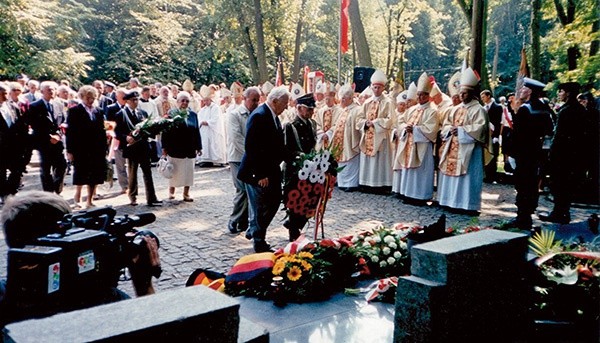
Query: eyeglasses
(184, 100)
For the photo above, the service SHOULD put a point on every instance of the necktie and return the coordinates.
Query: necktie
(278, 124)
(50, 111)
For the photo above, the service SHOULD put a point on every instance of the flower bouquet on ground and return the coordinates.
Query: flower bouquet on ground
(311, 184)
(384, 250)
(567, 286)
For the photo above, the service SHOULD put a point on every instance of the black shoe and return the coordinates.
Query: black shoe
(262, 246)
(414, 202)
(155, 203)
(248, 235)
(518, 224)
(555, 218)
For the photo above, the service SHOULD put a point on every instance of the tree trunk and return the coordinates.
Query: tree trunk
(359, 38)
(536, 18)
(296, 65)
(495, 63)
(260, 43)
(251, 54)
(478, 40)
(595, 45)
(566, 19)
(466, 9)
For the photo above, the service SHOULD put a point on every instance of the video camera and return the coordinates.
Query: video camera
(85, 255)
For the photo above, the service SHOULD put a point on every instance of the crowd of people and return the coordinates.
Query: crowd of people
(421, 145)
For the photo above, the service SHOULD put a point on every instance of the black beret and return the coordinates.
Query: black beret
(307, 100)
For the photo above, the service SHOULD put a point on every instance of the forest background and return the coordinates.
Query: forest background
(213, 41)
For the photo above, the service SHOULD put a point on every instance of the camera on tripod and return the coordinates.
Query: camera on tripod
(85, 255)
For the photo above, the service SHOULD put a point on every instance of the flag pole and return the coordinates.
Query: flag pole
(339, 61)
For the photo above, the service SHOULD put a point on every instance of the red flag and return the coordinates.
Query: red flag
(279, 76)
(344, 26)
(523, 71)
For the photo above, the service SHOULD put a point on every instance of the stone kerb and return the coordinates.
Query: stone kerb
(197, 314)
(467, 288)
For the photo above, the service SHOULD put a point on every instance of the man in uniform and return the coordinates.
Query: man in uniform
(415, 150)
(566, 153)
(375, 124)
(135, 149)
(300, 137)
(532, 122)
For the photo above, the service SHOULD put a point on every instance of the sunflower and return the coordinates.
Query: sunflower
(306, 266)
(278, 268)
(305, 254)
(294, 274)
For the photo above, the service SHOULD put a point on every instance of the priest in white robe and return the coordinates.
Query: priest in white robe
(326, 117)
(415, 151)
(465, 136)
(375, 123)
(212, 130)
(346, 139)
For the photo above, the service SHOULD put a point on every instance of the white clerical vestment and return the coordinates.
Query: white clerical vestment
(376, 154)
(212, 135)
(345, 140)
(415, 152)
(461, 157)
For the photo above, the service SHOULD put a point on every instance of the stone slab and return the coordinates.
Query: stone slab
(196, 314)
(419, 309)
(469, 256)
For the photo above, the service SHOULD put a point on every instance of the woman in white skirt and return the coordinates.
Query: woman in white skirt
(181, 144)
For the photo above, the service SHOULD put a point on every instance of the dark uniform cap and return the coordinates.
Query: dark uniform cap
(110, 84)
(130, 95)
(534, 85)
(571, 87)
(307, 100)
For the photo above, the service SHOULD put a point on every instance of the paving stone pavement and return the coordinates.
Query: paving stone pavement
(194, 235)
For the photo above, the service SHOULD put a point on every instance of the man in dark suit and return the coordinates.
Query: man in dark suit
(566, 154)
(494, 112)
(47, 138)
(13, 144)
(103, 101)
(260, 169)
(110, 114)
(300, 137)
(135, 149)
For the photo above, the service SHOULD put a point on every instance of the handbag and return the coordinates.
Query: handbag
(165, 167)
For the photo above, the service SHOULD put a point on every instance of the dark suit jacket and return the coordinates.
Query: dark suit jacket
(184, 140)
(43, 126)
(13, 139)
(110, 112)
(126, 122)
(84, 136)
(264, 148)
(495, 116)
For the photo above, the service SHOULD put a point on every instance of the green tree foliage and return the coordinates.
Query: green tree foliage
(573, 29)
(213, 41)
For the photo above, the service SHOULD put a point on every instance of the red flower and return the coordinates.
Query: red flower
(327, 243)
